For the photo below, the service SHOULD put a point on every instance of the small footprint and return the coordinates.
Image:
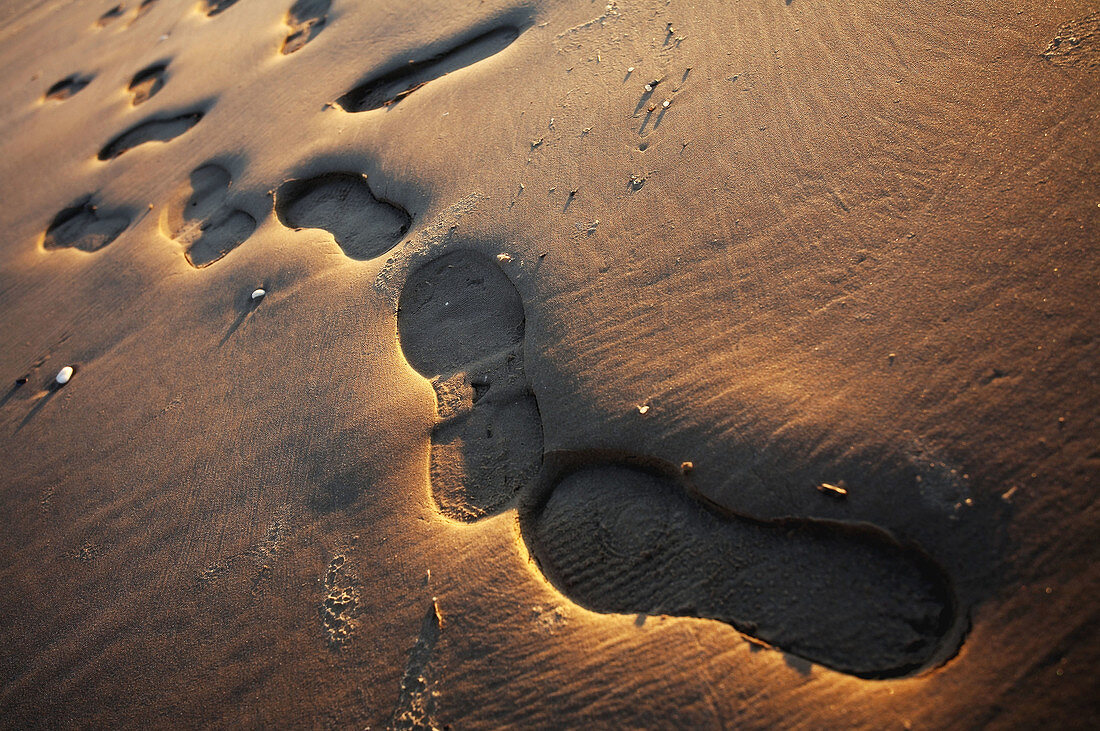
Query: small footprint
(200, 220)
(152, 130)
(110, 16)
(142, 9)
(461, 324)
(393, 86)
(82, 226)
(343, 204)
(212, 7)
(67, 87)
(147, 82)
(629, 535)
(306, 18)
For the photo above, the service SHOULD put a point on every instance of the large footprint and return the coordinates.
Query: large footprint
(200, 220)
(343, 204)
(83, 226)
(388, 88)
(461, 324)
(618, 537)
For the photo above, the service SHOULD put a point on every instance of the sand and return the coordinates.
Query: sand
(622, 364)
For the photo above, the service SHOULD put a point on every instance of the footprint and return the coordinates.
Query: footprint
(147, 82)
(67, 87)
(152, 130)
(142, 9)
(202, 223)
(82, 226)
(110, 16)
(461, 323)
(619, 538)
(212, 7)
(306, 18)
(415, 708)
(342, 203)
(393, 86)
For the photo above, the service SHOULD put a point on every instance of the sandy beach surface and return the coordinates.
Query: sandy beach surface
(549, 363)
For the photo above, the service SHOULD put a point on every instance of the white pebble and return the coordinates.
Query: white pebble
(258, 294)
(665, 105)
(64, 375)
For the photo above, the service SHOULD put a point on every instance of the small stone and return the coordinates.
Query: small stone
(258, 294)
(644, 408)
(838, 490)
(686, 467)
(64, 375)
(504, 257)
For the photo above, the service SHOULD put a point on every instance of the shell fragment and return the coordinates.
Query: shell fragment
(258, 294)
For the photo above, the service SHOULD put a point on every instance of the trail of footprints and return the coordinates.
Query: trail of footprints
(615, 533)
(363, 225)
(619, 534)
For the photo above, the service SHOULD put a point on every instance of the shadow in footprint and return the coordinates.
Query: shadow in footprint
(616, 536)
(306, 18)
(13, 389)
(343, 204)
(40, 401)
(461, 323)
(67, 87)
(393, 86)
(210, 8)
(415, 706)
(152, 130)
(147, 82)
(200, 220)
(82, 226)
(110, 16)
(142, 9)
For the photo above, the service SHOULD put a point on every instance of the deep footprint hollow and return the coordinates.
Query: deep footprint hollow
(393, 86)
(621, 539)
(461, 323)
(343, 204)
(153, 130)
